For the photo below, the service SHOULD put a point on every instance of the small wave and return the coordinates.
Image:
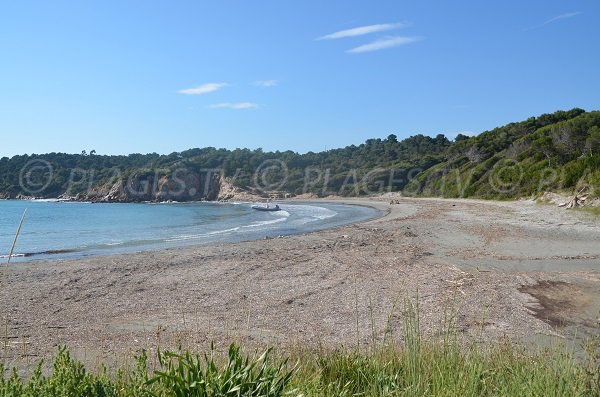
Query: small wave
(47, 252)
(323, 213)
(233, 229)
(263, 223)
(184, 238)
(59, 200)
(280, 213)
(198, 236)
(13, 255)
(327, 216)
(313, 212)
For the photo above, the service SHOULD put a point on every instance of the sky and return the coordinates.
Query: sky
(147, 76)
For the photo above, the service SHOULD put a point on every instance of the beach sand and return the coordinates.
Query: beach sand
(516, 269)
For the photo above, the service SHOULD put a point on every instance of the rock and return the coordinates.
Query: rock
(182, 185)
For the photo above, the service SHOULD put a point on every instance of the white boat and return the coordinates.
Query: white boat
(266, 208)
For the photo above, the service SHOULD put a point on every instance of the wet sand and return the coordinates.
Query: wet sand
(506, 269)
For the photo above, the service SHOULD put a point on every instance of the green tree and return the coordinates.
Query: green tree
(592, 143)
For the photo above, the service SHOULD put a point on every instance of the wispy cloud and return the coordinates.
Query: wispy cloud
(562, 16)
(556, 18)
(387, 42)
(203, 89)
(362, 30)
(235, 106)
(266, 83)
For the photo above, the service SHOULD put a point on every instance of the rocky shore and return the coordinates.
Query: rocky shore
(189, 186)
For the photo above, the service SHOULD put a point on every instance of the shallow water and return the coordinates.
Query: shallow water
(55, 229)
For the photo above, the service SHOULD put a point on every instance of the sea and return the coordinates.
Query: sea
(65, 229)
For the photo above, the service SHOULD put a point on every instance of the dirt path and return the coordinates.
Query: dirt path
(516, 269)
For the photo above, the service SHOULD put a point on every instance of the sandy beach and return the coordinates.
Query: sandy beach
(506, 269)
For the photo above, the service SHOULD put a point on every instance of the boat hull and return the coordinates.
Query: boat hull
(262, 208)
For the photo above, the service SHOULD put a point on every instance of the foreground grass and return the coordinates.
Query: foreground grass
(413, 369)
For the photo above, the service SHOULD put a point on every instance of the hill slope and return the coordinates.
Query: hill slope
(558, 151)
(555, 152)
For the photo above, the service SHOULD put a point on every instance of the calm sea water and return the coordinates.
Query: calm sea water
(72, 229)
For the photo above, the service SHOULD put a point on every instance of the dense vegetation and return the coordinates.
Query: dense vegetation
(559, 151)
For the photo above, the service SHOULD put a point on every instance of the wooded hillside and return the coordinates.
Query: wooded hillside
(558, 151)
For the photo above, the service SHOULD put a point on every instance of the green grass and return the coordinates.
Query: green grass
(418, 370)
(183, 374)
(590, 210)
(413, 367)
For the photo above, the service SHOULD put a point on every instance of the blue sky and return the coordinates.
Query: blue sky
(157, 76)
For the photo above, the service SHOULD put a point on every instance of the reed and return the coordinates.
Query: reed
(12, 248)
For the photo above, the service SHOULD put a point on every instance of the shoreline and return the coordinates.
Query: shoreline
(522, 267)
(78, 252)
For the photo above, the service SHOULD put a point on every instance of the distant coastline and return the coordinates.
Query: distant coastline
(557, 152)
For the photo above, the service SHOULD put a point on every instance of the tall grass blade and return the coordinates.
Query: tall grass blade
(12, 249)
